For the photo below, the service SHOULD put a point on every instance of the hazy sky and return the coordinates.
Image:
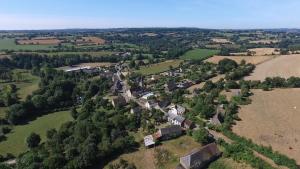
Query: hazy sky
(50, 14)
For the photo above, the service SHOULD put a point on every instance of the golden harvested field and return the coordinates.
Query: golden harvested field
(41, 41)
(91, 40)
(264, 51)
(96, 64)
(220, 40)
(264, 41)
(249, 59)
(272, 119)
(283, 66)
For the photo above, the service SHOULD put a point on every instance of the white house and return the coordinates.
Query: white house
(146, 96)
(149, 141)
(176, 110)
(151, 104)
(175, 119)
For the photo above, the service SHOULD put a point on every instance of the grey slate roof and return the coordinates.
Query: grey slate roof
(198, 158)
(170, 130)
(179, 119)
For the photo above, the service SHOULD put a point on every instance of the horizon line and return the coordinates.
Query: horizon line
(53, 29)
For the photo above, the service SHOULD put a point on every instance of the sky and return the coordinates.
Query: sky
(217, 14)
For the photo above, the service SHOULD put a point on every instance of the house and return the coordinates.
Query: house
(164, 104)
(184, 84)
(170, 86)
(199, 158)
(175, 119)
(151, 104)
(146, 96)
(176, 109)
(117, 87)
(135, 92)
(118, 101)
(136, 110)
(77, 68)
(188, 124)
(236, 92)
(217, 118)
(115, 78)
(106, 74)
(149, 141)
(169, 132)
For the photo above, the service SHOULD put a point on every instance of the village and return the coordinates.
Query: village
(137, 93)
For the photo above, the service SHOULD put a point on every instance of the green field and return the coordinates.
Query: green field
(199, 54)
(2, 112)
(159, 67)
(15, 142)
(100, 53)
(9, 44)
(27, 84)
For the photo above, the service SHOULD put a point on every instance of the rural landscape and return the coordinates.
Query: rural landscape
(136, 84)
(150, 98)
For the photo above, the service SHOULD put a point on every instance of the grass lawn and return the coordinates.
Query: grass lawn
(15, 142)
(95, 54)
(199, 54)
(159, 67)
(27, 84)
(228, 163)
(2, 112)
(9, 44)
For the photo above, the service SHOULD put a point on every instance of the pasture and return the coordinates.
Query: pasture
(26, 84)
(15, 142)
(283, 66)
(272, 119)
(159, 67)
(199, 54)
(9, 44)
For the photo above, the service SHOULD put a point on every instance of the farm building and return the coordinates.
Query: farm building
(119, 101)
(169, 132)
(188, 124)
(136, 110)
(199, 158)
(149, 141)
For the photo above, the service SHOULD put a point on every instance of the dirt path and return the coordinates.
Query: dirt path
(227, 140)
(200, 85)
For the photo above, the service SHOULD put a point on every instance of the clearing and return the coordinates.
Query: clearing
(159, 67)
(272, 119)
(15, 142)
(199, 54)
(283, 66)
